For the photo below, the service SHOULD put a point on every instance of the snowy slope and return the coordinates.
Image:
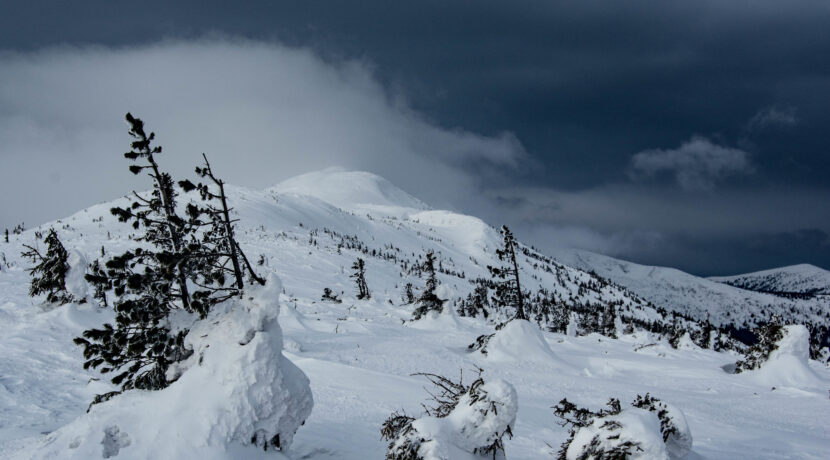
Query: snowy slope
(803, 279)
(359, 355)
(679, 291)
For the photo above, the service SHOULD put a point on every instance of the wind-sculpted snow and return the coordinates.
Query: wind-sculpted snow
(236, 396)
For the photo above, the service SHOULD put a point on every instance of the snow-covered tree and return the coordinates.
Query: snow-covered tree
(768, 336)
(428, 301)
(329, 296)
(609, 321)
(49, 272)
(408, 297)
(151, 281)
(359, 277)
(465, 421)
(508, 286)
(673, 425)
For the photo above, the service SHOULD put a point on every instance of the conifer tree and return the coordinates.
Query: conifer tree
(223, 249)
(428, 301)
(508, 286)
(408, 296)
(359, 277)
(768, 337)
(609, 321)
(7, 235)
(49, 273)
(150, 281)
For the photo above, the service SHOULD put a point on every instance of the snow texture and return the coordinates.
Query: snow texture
(481, 416)
(638, 426)
(236, 389)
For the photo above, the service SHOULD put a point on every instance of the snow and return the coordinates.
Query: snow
(350, 190)
(520, 340)
(637, 426)
(236, 387)
(788, 365)
(801, 279)
(685, 293)
(359, 355)
(472, 424)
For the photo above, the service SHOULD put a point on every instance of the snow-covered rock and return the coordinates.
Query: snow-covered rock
(236, 395)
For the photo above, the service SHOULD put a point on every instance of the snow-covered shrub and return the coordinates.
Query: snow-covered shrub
(517, 340)
(673, 425)
(466, 422)
(768, 337)
(329, 296)
(49, 272)
(236, 396)
(611, 433)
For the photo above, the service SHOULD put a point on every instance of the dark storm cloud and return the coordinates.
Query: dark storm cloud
(581, 87)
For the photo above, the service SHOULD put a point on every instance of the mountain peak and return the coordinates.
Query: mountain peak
(350, 190)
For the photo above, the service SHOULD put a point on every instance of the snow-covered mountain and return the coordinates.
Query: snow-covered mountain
(726, 303)
(360, 354)
(803, 279)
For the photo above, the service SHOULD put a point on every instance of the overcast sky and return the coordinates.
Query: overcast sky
(688, 134)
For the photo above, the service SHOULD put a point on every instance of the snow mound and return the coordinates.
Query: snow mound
(351, 190)
(673, 425)
(605, 434)
(788, 364)
(76, 285)
(480, 418)
(519, 340)
(236, 395)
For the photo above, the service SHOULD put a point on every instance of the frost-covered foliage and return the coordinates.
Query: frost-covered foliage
(673, 425)
(236, 396)
(756, 355)
(50, 270)
(651, 429)
(465, 422)
(428, 301)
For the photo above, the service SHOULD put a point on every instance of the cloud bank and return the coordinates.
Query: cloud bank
(263, 112)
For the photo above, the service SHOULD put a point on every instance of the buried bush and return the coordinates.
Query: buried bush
(463, 421)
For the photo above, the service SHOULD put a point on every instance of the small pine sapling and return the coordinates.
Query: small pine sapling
(329, 296)
(49, 272)
(428, 301)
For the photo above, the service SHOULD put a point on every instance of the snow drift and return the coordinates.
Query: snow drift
(787, 365)
(236, 397)
(519, 340)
